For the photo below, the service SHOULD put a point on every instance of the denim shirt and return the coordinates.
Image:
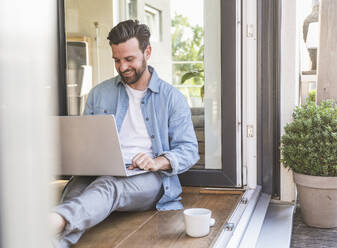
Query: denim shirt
(168, 121)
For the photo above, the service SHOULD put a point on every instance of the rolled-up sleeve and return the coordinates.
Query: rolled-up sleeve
(183, 153)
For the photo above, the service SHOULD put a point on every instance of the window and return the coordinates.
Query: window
(152, 19)
(88, 54)
(131, 9)
(187, 32)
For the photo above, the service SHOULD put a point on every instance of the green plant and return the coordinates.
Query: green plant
(312, 96)
(309, 145)
(187, 55)
(193, 74)
(187, 43)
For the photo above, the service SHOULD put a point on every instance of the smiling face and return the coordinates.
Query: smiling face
(130, 61)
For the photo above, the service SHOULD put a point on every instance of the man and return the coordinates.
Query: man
(156, 134)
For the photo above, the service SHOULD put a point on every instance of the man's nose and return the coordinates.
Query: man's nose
(123, 66)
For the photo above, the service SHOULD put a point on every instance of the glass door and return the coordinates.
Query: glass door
(220, 142)
(88, 54)
(196, 47)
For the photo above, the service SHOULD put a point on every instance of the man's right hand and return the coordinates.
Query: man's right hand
(145, 162)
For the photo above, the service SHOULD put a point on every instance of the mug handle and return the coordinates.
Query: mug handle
(211, 222)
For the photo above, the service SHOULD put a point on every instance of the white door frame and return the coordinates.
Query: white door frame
(249, 92)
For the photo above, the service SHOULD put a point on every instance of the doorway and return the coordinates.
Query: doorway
(197, 49)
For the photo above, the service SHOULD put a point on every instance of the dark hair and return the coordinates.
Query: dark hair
(129, 29)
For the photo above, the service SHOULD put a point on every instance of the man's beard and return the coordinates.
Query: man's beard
(136, 76)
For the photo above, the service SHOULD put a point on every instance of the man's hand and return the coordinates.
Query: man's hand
(145, 162)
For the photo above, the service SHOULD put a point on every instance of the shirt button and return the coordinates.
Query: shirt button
(166, 187)
(147, 118)
(152, 137)
(142, 102)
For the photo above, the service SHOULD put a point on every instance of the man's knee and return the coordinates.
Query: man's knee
(76, 186)
(107, 185)
(106, 180)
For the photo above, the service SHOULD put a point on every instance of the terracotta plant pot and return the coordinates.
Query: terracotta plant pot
(318, 200)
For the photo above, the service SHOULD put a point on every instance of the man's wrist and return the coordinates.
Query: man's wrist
(163, 163)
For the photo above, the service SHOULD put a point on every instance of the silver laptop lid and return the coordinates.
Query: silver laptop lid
(89, 145)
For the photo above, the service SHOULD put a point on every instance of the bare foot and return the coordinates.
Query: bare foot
(57, 222)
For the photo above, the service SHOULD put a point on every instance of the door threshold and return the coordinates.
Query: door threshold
(255, 221)
(236, 224)
(278, 220)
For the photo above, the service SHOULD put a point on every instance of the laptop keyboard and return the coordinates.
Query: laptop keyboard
(135, 171)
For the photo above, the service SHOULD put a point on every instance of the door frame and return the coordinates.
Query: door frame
(231, 139)
(268, 95)
(231, 173)
(62, 64)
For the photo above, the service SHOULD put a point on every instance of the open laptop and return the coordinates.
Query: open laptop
(89, 145)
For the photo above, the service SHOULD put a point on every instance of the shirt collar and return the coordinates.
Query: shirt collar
(154, 81)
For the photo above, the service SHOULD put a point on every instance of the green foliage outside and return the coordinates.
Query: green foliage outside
(309, 145)
(187, 48)
(312, 96)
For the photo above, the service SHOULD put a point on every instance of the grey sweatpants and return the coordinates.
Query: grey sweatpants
(86, 201)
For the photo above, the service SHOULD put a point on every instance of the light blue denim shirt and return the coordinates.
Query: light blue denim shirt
(168, 121)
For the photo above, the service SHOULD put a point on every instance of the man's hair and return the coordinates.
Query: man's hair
(130, 29)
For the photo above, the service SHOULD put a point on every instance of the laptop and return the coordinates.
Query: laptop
(89, 145)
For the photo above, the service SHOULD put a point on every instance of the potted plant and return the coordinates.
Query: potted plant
(309, 148)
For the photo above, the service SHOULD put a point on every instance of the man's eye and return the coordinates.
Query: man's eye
(129, 59)
(117, 60)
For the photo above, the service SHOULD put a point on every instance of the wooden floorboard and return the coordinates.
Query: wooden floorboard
(160, 229)
(115, 229)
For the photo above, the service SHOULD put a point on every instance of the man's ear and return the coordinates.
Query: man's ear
(147, 52)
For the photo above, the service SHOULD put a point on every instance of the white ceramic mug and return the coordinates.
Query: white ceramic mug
(198, 221)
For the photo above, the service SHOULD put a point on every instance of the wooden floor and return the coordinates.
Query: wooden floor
(304, 236)
(160, 229)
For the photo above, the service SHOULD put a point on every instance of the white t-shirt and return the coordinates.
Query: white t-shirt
(133, 135)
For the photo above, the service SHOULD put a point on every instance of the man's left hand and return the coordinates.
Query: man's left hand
(144, 162)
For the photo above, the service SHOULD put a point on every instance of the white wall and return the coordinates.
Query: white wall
(28, 76)
(161, 58)
(289, 80)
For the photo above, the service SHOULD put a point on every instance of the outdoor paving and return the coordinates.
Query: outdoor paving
(308, 237)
